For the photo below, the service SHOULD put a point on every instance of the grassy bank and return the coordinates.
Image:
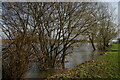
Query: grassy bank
(103, 66)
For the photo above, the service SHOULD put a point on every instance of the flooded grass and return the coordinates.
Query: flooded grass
(103, 66)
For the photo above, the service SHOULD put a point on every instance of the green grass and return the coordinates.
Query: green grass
(114, 47)
(103, 66)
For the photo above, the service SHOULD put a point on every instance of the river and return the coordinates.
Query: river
(81, 53)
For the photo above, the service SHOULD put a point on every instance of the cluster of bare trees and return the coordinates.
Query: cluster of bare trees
(105, 29)
(42, 32)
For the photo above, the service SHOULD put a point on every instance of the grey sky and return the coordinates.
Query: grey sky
(113, 3)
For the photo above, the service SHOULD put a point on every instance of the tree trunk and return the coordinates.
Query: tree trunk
(63, 59)
(92, 42)
(104, 44)
(93, 46)
(63, 62)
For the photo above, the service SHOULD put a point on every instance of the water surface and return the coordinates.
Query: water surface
(81, 53)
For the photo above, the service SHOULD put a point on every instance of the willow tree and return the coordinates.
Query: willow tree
(17, 52)
(57, 25)
(106, 28)
(42, 33)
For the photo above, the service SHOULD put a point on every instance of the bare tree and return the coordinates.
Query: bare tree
(42, 32)
(16, 54)
(104, 30)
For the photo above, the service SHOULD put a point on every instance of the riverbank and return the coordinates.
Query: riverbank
(103, 66)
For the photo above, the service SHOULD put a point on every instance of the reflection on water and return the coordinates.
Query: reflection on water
(81, 53)
(34, 72)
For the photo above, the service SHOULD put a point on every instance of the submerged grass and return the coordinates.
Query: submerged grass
(103, 66)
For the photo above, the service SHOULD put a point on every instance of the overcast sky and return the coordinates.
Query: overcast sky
(113, 3)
